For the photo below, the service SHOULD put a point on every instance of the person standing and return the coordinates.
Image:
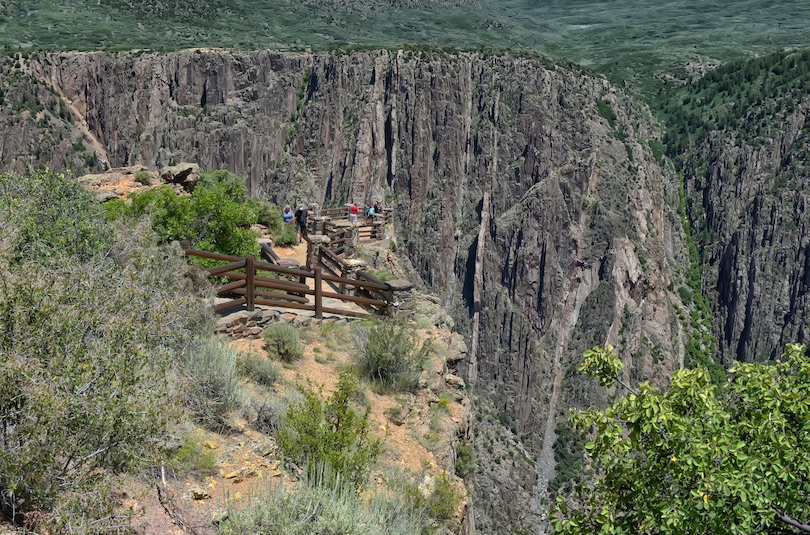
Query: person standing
(287, 214)
(353, 211)
(370, 216)
(301, 219)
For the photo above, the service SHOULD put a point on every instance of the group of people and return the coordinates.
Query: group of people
(301, 218)
(368, 212)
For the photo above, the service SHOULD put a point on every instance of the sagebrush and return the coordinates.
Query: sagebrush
(390, 356)
(282, 342)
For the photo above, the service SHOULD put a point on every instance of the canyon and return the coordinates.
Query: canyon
(526, 196)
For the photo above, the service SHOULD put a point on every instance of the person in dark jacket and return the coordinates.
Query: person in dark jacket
(301, 219)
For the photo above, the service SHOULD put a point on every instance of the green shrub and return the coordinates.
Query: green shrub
(685, 294)
(193, 458)
(465, 458)
(390, 356)
(281, 340)
(267, 214)
(225, 182)
(445, 498)
(143, 177)
(320, 505)
(213, 385)
(258, 368)
(440, 504)
(568, 454)
(52, 217)
(331, 432)
(606, 111)
(286, 236)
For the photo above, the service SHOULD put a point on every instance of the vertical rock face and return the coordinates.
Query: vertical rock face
(749, 202)
(526, 196)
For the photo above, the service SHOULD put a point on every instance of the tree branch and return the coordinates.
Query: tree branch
(626, 386)
(792, 522)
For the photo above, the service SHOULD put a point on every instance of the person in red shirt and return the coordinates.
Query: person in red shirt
(353, 213)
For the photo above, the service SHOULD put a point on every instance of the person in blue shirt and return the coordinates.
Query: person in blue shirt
(287, 214)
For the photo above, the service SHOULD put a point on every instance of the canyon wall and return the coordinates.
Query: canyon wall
(747, 200)
(525, 193)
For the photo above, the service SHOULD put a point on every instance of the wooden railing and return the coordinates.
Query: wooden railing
(287, 287)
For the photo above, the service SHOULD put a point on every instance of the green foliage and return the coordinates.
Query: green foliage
(282, 342)
(48, 216)
(114, 209)
(569, 449)
(286, 237)
(603, 364)
(384, 276)
(389, 355)
(143, 177)
(226, 183)
(700, 458)
(258, 368)
(744, 96)
(215, 218)
(193, 458)
(267, 214)
(657, 149)
(606, 111)
(441, 502)
(319, 505)
(213, 383)
(700, 345)
(685, 294)
(465, 458)
(87, 343)
(331, 432)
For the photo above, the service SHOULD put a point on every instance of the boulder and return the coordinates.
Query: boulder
(185, 174)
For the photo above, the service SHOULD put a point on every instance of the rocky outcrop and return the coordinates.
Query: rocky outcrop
(525, 197)
(747, 202)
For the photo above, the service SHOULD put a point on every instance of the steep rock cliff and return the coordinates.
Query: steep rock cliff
(747, 200)
(526, 197)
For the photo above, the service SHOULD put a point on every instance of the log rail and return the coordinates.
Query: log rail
(249, 282)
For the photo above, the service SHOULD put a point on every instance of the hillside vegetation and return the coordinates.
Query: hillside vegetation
(750, 98)
(645, 43)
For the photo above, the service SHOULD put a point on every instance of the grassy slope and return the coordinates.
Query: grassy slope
(635, 40)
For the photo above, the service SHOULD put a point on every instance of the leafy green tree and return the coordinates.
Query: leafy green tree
(698, 458)
(215, 218)
(331, 432)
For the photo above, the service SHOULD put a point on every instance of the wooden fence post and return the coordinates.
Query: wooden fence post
(250, 271)
(318, 294)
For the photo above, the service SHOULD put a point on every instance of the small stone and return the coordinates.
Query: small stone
(198, 494)
(218, 517)
(237, 476)
(210, 444)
